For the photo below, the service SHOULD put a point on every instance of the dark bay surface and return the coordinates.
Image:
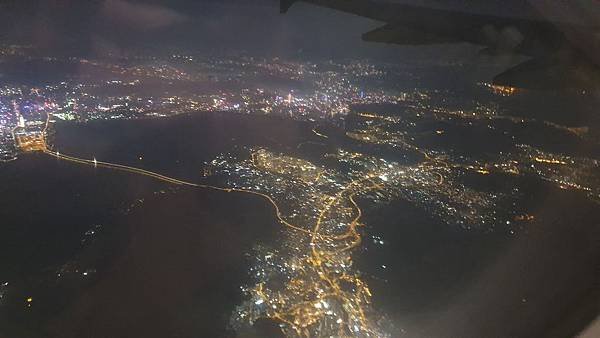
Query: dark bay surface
(180, 274)
(180, 146)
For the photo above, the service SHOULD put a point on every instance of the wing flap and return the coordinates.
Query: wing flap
(554, 72)
(404, 36)
(284, 5)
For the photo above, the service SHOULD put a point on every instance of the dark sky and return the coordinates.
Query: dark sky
(205, 24)
(98, 26)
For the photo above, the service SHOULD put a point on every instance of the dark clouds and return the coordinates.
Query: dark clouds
(110, 26)
(139, 16)
(102, 27)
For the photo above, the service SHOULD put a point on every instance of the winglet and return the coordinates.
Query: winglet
(284, 5)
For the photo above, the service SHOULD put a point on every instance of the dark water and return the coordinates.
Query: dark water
(47, 209)
(179, 146)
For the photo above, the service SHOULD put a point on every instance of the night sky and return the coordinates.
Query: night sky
(96, 27)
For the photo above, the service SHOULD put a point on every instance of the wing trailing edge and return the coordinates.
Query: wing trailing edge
(405, 36)
(284, 5)
(551, 73)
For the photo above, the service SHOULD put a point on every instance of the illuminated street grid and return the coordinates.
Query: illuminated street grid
(400, 132)
(308, 284)
(567, 172)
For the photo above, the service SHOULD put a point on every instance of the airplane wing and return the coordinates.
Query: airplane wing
(552, 72)
(553, 54)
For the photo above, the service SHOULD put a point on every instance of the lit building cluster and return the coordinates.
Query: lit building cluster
(23, 119)
(308, 283)
(141, 87)
(3, 289)
(565, 172)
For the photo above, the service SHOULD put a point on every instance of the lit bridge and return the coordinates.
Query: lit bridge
(171, 180)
